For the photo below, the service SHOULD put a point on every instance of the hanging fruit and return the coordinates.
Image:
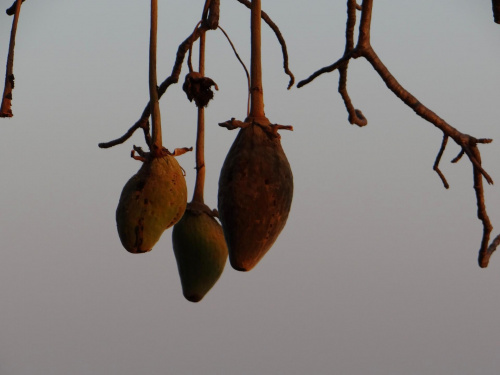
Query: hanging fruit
(198, 240)
(200, 250)
(256, 182)
(155, 198)
(255, 195)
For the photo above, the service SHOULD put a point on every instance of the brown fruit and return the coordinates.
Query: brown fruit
(152, 200)
(255, 195)
(200, 251)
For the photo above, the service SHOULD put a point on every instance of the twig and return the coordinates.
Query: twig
(172, 79)
(129, 134)
(6, 106)
(242, 64)
(438, 159)
(281, 40)
(467, 143)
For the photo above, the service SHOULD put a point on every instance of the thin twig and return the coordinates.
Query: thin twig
(242, 64)
(6, 105)
(467, 143)
(355, 115)
(438, 159)
(281, 40)
(172, 79)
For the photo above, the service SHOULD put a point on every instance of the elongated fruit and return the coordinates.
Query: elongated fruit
(200, 251)
(255, 195)
(153, 200)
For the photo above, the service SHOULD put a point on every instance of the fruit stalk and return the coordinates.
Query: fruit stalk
(156, 146)
(256, 91)
(200, 137)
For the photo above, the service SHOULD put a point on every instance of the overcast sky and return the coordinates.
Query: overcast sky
(376, 271)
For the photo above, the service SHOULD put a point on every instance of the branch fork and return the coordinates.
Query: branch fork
(467, 143)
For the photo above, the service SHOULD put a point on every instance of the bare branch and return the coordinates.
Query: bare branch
(438, 159)
(6, 105)
(174, 78)
(281, 40)
(327, 69)
(467, 143)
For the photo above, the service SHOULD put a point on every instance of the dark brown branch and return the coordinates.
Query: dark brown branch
(438, 159)
(327, 69)
(12, 10)
(355, 115)
(281, 40)
(485, 251)
(6, 105)
(467, 143)
(174, 78)
(128, 134)
(496, 10)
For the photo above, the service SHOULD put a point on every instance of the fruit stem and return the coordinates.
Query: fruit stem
(200, 135)
(156, 146)
(256, 91)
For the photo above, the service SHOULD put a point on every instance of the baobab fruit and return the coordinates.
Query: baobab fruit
(200, 251)
(255, 194)
(152, 200)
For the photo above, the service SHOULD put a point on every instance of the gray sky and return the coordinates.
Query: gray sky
(375, 272)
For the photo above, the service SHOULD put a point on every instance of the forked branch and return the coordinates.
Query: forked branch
(467, 143)
(184, 47)
(281, 40)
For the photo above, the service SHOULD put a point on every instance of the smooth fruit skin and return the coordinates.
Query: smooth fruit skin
(152, 200)
(255, 195)
(200, 251)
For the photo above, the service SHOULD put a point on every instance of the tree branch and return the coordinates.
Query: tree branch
(6, 105)
(467, 143)
(281, 40)
(183, 48)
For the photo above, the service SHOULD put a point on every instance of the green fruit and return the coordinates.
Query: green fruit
(255, 195)
(153, 200)
(200, 251)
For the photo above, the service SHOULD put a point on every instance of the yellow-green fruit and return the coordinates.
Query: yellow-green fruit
(200, 251)
(153, 200)
(255, 195)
